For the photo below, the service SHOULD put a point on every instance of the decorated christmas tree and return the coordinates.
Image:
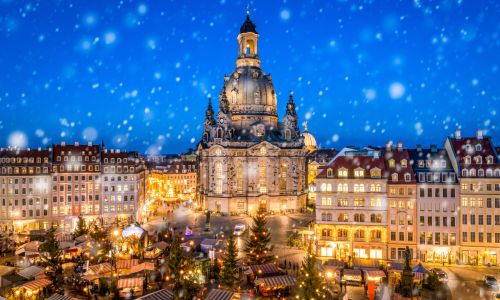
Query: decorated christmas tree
(311, 284)
(258, 250)
(81, 227)
(229, 272)
(51, 256)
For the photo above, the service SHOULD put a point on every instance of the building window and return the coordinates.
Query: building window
(359, 218)
(359, 173)
(343, 218)
(342, 173)
(359, 234)
(263, 178)
(219, 177)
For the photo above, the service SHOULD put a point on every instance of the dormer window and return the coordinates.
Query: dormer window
(489, 172)
(375, 173)
(473, 172)
(342, 173)
(489, 160)
(468, 148)
(391, 163)
(395, 177)
(478, 160)
(443, 163)
(480, 173)
(404, 163)
(465, 173)
(478, 147)
(329, 173)
(467, 160)
(359, 173)
(421, 163)
(407, 177)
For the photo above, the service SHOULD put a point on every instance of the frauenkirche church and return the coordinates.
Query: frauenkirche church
(248, 159)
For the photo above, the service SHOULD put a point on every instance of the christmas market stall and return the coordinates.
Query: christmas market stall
(32, 290)
(163, 294)
(220, 294)
(130, 287)
(258, 271)
(272, 285)
(352, 277)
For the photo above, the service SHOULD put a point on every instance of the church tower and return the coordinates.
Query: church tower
(249, 160)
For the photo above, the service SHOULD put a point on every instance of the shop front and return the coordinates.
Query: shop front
(447, 255)
(480, 257)
(337, 250)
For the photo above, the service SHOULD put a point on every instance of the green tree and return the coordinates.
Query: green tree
(181, 269)
(258, 250)
(81, 227)
(51, 256)
(294, 240)
(311, 284)
(230, 270)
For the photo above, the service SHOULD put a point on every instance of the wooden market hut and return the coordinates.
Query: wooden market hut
(272, 285)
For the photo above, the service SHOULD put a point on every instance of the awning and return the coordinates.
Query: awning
(374, 274)
(276, 281)
(100, 268)
(31, 271)
(158, 295)
(130, 282)
(126, 263)
(91, 277)
(264, 269)
(149, 266)
(418, 276)
(34, 285)
(219, 294)
(352, 274)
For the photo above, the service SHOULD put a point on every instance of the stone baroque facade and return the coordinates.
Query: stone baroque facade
(248, 159)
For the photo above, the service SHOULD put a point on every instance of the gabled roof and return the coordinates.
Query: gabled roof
(398, 156)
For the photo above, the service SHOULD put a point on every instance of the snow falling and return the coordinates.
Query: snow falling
(137, 74)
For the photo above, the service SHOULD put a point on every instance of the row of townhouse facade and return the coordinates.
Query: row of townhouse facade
(42, 188)
(442, 203)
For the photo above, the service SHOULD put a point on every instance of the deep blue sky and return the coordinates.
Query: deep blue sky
(137, 74)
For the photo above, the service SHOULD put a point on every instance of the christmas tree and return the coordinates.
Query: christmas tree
(258, 251)
(182, 273)
(229, 271)
(81, 227)
(311, 284)
(51, 256)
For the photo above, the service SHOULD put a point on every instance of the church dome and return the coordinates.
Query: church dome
(250, 91)
(309, 140)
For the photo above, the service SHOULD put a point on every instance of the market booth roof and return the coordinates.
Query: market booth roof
(145, 266)
(264, 269)
(130, 282)
(158, 295)
(276, 281)
(34, 285)
(100, 268)
(219, 294)
(133, 231)
(126, 263)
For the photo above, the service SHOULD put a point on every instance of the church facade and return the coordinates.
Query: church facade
(248, 158)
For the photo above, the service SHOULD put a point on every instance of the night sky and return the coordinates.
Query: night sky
(137, 74)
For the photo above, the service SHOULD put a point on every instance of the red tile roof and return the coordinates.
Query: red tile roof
(467, 147)
(398, 156)
(352, 162)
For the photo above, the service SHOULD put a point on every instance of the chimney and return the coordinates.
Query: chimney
(77, 144)
(433, 148)
(376, 154)
(39, 148)
(89, 143)
(479, 134)
(400, 146)
(458, 134)
(63, 143)
(388, 146)
(117, 150)
(419, 148)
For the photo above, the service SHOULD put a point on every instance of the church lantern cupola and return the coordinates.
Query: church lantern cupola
(248, 44)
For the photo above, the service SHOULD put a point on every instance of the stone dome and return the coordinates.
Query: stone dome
(309, 140)
(250, 91)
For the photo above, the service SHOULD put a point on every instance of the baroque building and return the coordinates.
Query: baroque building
(248, 158)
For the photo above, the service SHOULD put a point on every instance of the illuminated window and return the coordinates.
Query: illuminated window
(404, 163)
(219, 177)
(263, 178)
(391, 163)
(359, 173)
(342, 173)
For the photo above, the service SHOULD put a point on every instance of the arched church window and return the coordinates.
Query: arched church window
(218, 177)
(205, 137)
(233, 96)
(250, 47)
(288, 134)
(257, 97)
(282, 183)
(239, 178)
(220, 133)
(263, 177)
